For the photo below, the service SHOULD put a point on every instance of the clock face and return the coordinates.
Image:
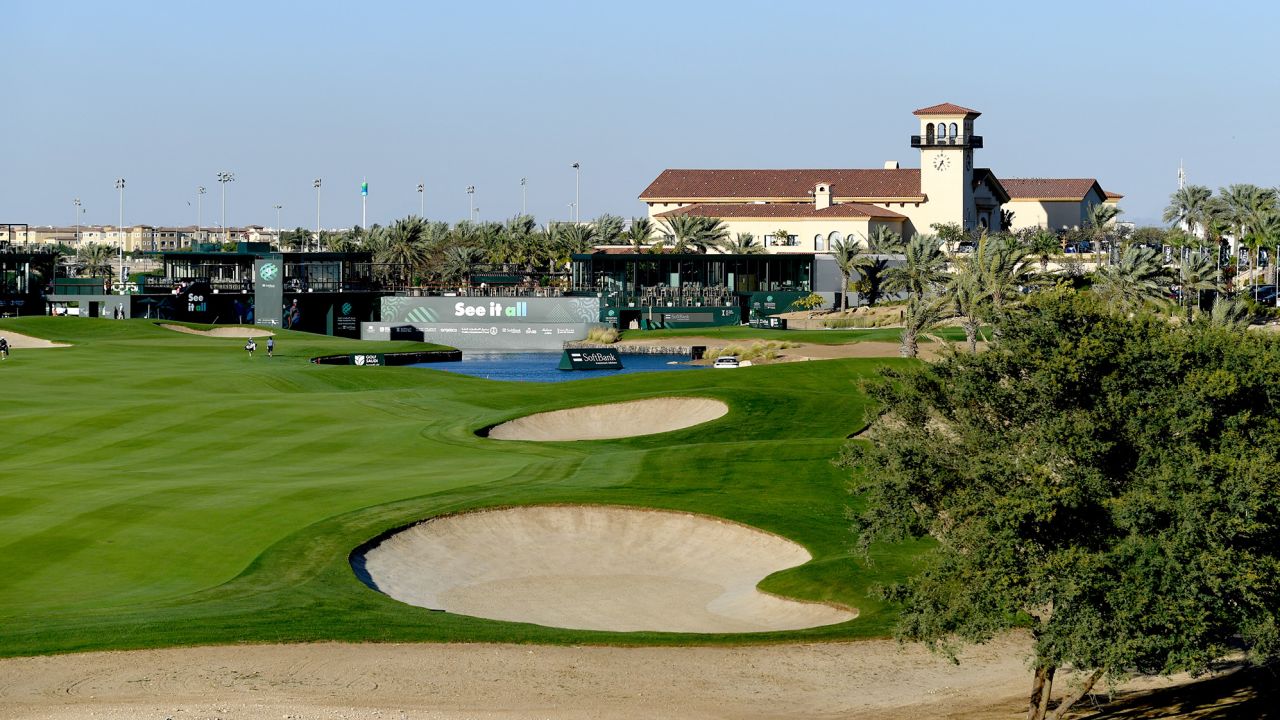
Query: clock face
(941, 162)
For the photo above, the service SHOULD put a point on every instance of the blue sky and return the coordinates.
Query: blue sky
(166, 94)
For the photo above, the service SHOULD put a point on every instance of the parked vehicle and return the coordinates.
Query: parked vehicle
(725, 363)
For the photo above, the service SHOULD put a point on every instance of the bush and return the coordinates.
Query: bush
(607, 336)
(811, 301)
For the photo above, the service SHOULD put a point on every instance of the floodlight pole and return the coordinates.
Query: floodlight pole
(120, 247)
(317, 185)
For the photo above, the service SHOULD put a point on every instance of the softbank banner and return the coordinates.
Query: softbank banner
(488, 323)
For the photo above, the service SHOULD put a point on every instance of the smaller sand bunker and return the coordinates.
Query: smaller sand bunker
(222, 332)
(18, 341)
(595, 568)
(615, 420)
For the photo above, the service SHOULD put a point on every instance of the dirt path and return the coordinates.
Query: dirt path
(872, 679)
(812, 351)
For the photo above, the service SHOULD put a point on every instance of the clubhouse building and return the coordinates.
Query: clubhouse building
(806, 210)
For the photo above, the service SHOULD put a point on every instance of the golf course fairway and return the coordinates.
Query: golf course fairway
(163, 488)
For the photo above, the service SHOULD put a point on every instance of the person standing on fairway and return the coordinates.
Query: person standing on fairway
(4, 348)
(271, 346)
(251, 346)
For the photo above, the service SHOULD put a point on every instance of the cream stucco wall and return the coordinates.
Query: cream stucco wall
(805, 230)
(1052, 214)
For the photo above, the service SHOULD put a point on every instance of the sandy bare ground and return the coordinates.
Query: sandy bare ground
(231, 331)
(813, 351)
(614, 420)
(595, 568)
(872, 679)
(18, 341)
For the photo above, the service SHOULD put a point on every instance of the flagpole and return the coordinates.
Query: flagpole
(364, 196)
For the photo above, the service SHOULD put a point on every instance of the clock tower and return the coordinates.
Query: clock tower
(946, 142)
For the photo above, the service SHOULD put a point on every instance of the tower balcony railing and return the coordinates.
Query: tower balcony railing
(925, 141)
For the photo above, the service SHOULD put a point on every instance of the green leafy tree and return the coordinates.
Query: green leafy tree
(950, 235)
(1083, 479)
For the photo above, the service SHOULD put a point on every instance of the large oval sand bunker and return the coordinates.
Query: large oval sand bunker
(615, 420)
(595, 568)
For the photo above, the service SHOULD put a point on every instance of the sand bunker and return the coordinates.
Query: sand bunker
(233, 331)
(595, 568)
(616, 420)
(18, 341)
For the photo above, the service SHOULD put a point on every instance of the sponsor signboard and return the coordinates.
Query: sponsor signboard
(590, 359)
(368, 360)
(484, 323)
(268, 291)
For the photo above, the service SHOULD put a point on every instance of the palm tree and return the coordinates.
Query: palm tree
(921, 314)
(1243, 206)
(693, 233)
(1136, 280)
(743, 244)
(402, 245)
(849, 258)
(458, 261)
(880, 242)
(95, 259)
(968, 298)
(608, 229)
(1004, 271)
(640, 233)
(1195, 273)
(1043, 243)
(1229, 313)
(1098, 219)
(1189, 208)
(923, 267)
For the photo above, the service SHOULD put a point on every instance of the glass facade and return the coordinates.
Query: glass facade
(657, 279)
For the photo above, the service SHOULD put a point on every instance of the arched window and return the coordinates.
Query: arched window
(819, 243)
(834, 238)
(928, 134)
(942, 130)
(953, 130)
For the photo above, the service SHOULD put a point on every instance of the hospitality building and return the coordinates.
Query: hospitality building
(806, 210)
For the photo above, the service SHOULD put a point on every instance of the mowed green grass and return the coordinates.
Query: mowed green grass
(164, 489)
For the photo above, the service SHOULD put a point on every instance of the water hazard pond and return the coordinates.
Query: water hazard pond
(544, 366)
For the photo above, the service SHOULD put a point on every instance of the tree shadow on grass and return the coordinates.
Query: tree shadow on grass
(1244, 693)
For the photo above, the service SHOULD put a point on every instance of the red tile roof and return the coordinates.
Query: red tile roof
(784, 210)
(1050, 188)
(946, 109)
(793, 185)
(1113, 195)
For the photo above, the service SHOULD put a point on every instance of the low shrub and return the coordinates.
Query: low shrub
(607, 335)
